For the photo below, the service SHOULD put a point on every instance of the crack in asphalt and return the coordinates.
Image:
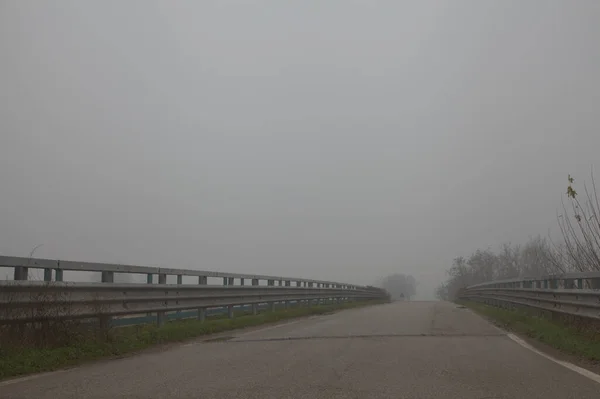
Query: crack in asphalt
(365, 336)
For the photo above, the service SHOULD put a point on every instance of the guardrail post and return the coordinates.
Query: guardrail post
(105, 321)
(271, 283)
(298, 284)
(149, 278)
(255, 305)
(47, 274)
(580, 283)
(21, 273)
(179, 282)
(58, 274)
(108, 277)
(202, 280)
(160, 316)
(287, 283)
(201, 314)
(229, 281)
(241, 281)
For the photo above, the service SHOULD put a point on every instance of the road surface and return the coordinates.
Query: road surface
(398, 350)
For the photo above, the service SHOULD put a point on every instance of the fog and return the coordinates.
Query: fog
(333, 140)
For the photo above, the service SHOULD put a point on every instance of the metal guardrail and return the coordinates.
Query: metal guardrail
(22, 265)
(33, 301)
(574, 294)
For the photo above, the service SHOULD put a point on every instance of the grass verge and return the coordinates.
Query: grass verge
(127, 340)
(582, 341)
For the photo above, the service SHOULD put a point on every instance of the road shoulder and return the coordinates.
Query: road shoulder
(528, 335)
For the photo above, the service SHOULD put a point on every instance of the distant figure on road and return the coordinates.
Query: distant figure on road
(402, 296)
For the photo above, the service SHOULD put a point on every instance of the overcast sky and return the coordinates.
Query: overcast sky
(338, 140)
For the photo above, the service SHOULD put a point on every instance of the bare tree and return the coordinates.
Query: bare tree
(580, 229)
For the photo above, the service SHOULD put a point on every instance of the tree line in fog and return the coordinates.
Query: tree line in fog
(400, 286)
(577, 249)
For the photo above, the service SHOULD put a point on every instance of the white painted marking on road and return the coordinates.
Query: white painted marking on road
(30, 377)
(579, 370)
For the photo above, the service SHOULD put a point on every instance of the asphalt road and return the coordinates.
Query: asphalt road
(399, 350)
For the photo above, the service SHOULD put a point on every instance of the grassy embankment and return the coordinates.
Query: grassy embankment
(24, 359)
(572, 336)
